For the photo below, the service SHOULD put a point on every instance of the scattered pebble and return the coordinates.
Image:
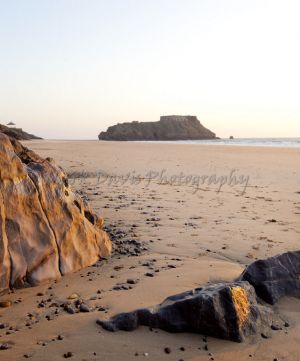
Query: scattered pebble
(149, 274)
(84, 308)
(5, 304)
(167, 350)
(68, 354)
(132, 281)
(73, 296)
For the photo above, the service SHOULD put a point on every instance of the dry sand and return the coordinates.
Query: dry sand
(194, 234)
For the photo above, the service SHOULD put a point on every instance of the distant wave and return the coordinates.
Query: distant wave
(254, 142)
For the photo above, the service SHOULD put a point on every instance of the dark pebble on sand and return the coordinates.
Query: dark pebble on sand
(167, 350)
(68, 355)
(132, 281)
(263, 335)
(70, 310)
(149, 274)
(84, 308)
(276, 328)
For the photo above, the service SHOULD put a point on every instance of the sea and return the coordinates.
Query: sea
(252, 142)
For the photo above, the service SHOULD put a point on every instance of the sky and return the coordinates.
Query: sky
(71, 68)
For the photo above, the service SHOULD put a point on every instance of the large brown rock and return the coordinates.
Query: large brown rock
(171, 127)
(46, 230)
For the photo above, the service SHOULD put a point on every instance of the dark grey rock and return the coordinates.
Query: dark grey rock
(213, 310)
(70, 310)
(84, 308)
(275, 277)
(132, 281)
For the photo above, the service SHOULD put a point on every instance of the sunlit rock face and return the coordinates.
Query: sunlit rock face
(170, 127)
(46, 230)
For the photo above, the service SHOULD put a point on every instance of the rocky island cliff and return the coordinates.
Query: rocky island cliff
(17, 133)
(171, 127)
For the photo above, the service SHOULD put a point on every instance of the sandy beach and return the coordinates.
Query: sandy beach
(200, 213)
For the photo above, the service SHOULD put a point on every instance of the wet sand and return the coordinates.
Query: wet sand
(188, 234)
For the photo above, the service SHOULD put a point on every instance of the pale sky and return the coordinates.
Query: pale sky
(70, 68)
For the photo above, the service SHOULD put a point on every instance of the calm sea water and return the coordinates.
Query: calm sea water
(255, 142)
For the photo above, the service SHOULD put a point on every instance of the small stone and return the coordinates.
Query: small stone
(68, 354)
(275, 327)
(60, 337)
(167, 350)
(263, 335)
(84, 308)
(149, 274)
(132, 281)
(70, 310)
(73, 296)
(5, 304)
(4, 346)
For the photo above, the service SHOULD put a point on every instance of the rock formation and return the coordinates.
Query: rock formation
(230, 311)
(275, 277)
(173, 127)
(46, 230)
(226, 310)
(17, 133)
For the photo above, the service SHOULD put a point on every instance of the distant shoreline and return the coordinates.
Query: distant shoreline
(244, 142)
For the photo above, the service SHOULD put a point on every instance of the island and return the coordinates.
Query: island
(170, 127)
